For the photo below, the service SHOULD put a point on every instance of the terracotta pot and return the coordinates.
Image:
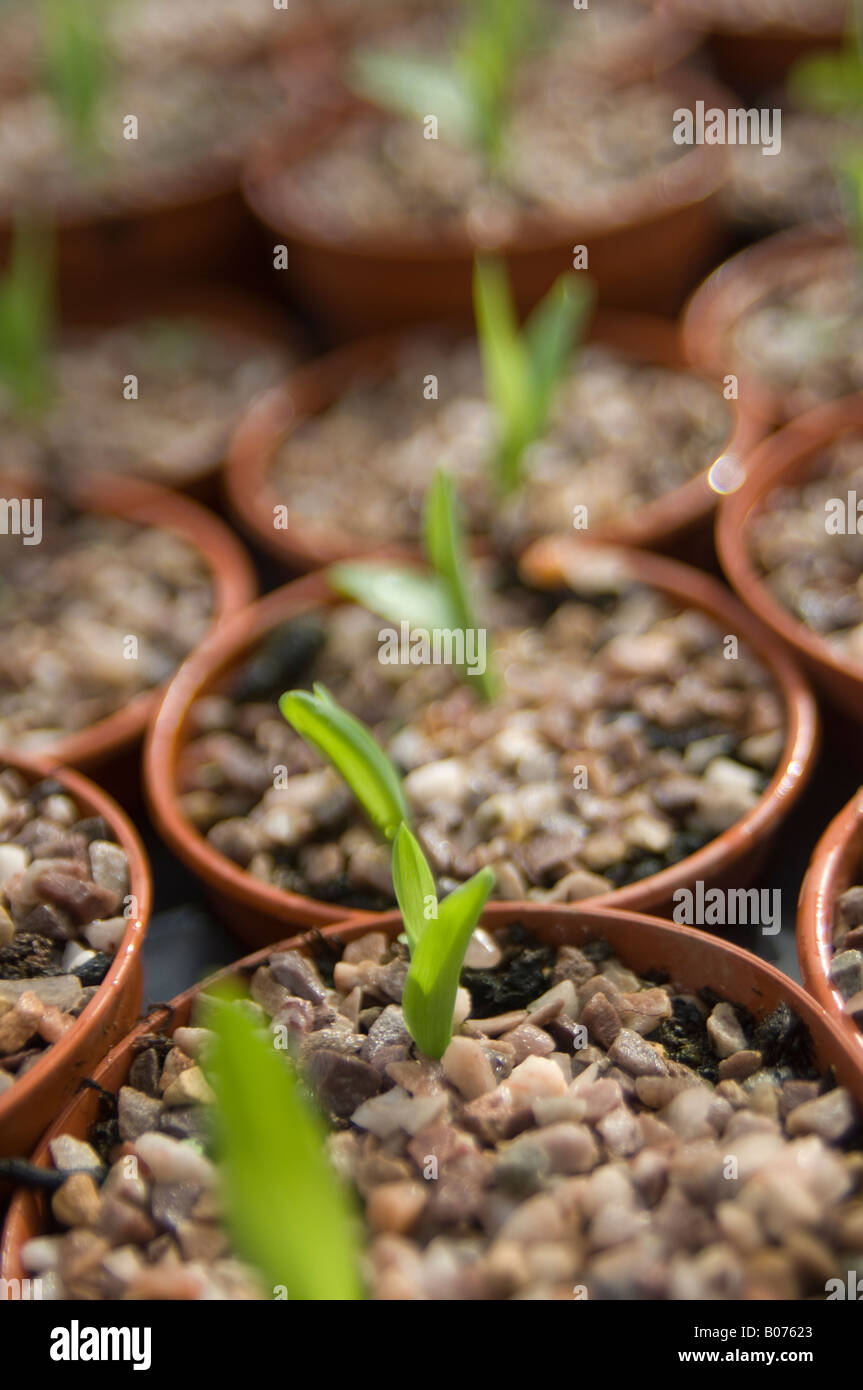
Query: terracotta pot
(665, 524)
(645, 251)
(834, 866)
(257, 912)
(790, 256)
(756, 58)
(102, 744)
(241, 318)
(786, 458)
(691, 958)
(29, 1105)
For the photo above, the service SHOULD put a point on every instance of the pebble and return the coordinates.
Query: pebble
(846, 972)
(19, 1024)
(62, 991)
(73, 1155)
(77, 1202)
(109, 867)
(630, 1051)
(832, 1116)
(725, 1031)
(467, 1066)
(137, 1113)
(395, 1206)
(106, 934)
(169, 1160)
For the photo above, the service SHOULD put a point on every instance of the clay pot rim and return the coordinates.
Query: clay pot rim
(93, 800)
(741, 282)
(237, 315)
(694, 176)
(560, 924)
(311, 389)
(542, 562)
(233, 580)
(788, 454)
(720, 21)
(831, 870)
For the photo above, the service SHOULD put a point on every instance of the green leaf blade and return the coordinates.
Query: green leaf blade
(397, 594)
(346, 743)
(433, 977)
(444, 547)
(414, 884)
(286, 1209)
(414, 87)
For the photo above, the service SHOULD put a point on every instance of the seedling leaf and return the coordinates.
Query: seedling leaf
(432, 980)
(287, 1212)
(75, 61)
(445, 551)
(394, 593)
(350, 747)
(26, 317)
(414, 87)
(414, 885)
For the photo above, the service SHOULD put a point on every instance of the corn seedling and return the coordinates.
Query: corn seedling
(470, 91)
(76, 64)
(27, 319)
(437, 932)
(287, 1211)
(438, 599)
(523, 367)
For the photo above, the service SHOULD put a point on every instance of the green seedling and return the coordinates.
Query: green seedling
(440, 598)
(438, 932)
(469, 93)
(850, 175)
(287, 1211)
(524, 367)
(350, 747)
(27, 319)
(832, 82)
(76, 64)
(438, 935)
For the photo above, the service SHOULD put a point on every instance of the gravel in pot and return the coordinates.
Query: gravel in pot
(574, 1140)
(64, 881)
(624, 434)
(846, 970)
(621, 741)
(196, 369)
(765, 194)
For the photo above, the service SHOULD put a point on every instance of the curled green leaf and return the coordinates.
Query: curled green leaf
(414, 885)
(351, 748)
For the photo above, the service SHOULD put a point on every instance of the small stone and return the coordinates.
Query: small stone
(190, 1088)
(483, 952)
(41, 1253)
(724, 1031)
(77, 1202)
(173, 1202)
(466, 1065)
(846, 972)
(201, 1241)
(74, 1155)
(176, 1062)
(19, 1024)
(535, 1077)
(145, 1072)
(7, 926)
(106, 934)
(169, 1160)
(394, 1110)
(528, 1041)
(53, 1024)
(637, 1057)
(740, 1065)
(831, 1116)
(341, 1082)
(601, 1019)
(62, 991)
(136, 1113)
(849, 907)
(125, 1223)
(82, 900)
(395, 1206)
(14, 860)
(194, 1041)
(110, 868)
(298, 975)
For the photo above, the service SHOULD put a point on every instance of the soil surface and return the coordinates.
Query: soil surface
(815, 574)
(846, 970)
(622, 435)
(769, 192)
(194, 378)
(98, 612)
(621, 741)
(573, 1142)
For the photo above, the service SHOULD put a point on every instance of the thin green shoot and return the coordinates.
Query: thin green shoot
(436, 600)
(76, 65)
(439, 933)
(470, 91)
(27, 314)
(524, 367)
(831, 82)
(287, 1212)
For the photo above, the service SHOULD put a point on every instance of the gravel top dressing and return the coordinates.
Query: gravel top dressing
(63, 881)
(567, 144)
(615, 690)
(193, 381)
(846, 969)
(622, 434)
(800, 184)
(575, 1135)
(190, 128)
(803, 335)
(813, 572)
(70, 610)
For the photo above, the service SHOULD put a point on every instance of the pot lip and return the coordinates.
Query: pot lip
(89, 797)
(167, 735)
(738, 283)
(233, 580)
(831, 868)
(314, 387)
(826, 1035)
(691, 179)
(779, 458)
